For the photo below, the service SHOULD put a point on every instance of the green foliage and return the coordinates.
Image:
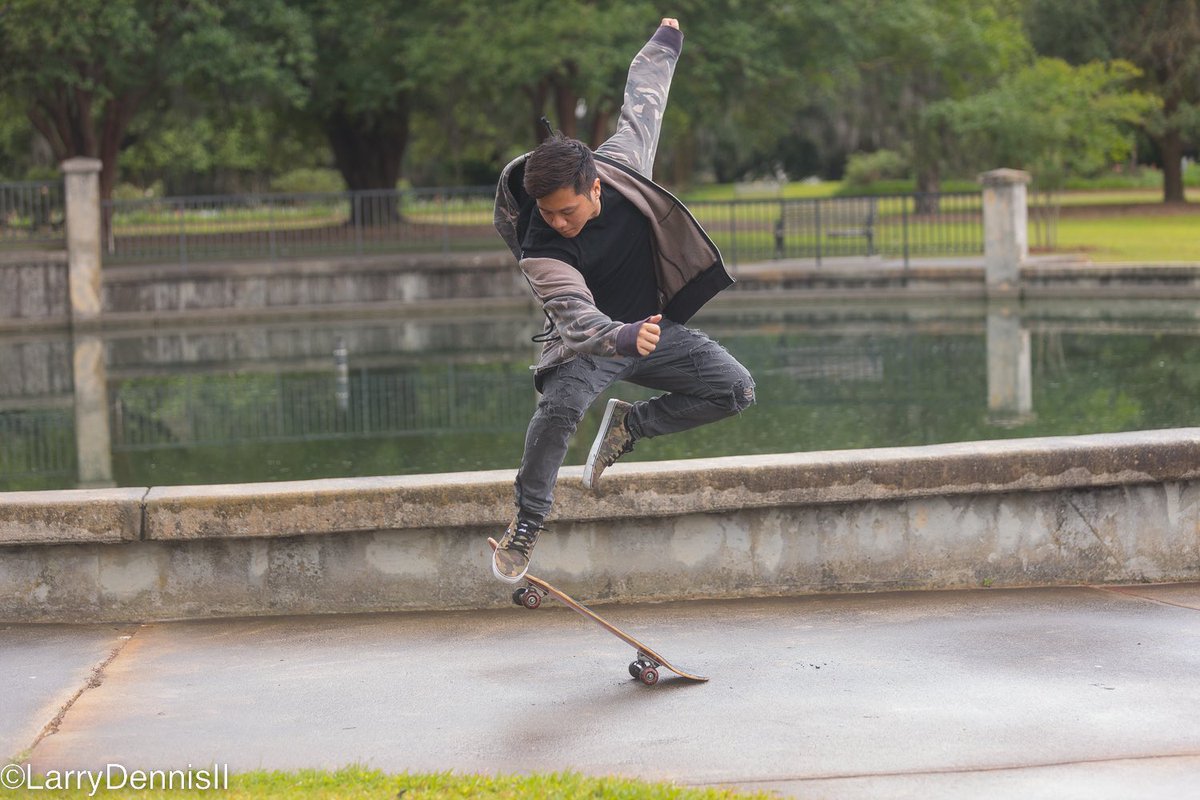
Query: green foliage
(303, 181)
(84, 68)
(129, 191)
(1161, 37)
(864, 169)
(220, 96)
(1050, 118)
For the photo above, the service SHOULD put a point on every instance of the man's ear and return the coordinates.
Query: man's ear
(596, 188)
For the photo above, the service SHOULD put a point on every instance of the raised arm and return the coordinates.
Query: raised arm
(636, 139)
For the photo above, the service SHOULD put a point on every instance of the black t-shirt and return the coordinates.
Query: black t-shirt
(612, 252)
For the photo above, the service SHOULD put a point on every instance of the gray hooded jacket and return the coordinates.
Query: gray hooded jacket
(688, 266)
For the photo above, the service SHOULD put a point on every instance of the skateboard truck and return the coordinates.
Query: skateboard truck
(645, 669)
(529, 597)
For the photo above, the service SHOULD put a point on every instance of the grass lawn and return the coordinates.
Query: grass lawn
(1148, 239)
(351, 783)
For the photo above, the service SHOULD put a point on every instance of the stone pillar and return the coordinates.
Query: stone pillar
(1009, 369)
(82, 178)
(1005, 229)
(93, 436)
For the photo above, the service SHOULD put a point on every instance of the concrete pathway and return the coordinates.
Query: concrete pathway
(1085, 692)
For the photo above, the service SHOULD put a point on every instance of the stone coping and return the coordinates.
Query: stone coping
(73, 515)
(351, 264)
(630, 490)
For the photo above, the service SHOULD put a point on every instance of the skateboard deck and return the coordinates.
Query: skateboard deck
(648, 662)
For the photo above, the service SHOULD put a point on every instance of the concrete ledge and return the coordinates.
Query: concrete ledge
(328, 506)
(1055, 511)
(672, 488)
(77, 515)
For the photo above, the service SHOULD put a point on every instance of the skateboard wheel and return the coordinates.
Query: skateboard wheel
(518, 596)
(531, 599)
(635, 670)
(648, 675)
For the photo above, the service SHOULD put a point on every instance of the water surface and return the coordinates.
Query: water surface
(297, 400)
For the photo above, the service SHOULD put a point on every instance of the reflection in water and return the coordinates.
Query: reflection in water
(337, 398)
(1010, 375)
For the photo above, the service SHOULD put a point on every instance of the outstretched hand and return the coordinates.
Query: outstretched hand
(648, 335)
(670, 22)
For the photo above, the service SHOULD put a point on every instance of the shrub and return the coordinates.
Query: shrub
(309, 181)
(864, 169)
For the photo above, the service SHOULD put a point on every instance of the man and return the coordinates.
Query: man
(619, 265)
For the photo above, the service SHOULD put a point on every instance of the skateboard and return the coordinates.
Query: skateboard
(647, 663)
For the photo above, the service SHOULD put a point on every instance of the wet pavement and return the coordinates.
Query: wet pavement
(1086, 692)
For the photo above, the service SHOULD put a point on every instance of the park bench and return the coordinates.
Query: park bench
(810, 221)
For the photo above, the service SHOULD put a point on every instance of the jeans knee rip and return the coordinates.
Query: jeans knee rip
(743, 396)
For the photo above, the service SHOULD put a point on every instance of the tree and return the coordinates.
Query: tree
(1161, 37)
(925, 51)
(566, 60)
(1049, 118)
(369, 79)
(743, 82)
(84, 68)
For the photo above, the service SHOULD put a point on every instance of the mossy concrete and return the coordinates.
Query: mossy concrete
(1052, 511)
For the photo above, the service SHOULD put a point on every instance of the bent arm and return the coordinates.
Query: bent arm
(571, 308)
(646, 88)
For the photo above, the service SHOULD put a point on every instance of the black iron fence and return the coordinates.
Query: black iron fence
(899, 227)
(270, 227)
(280, 226)
(31, 212)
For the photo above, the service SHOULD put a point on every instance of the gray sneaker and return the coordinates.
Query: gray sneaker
(612, 441)
(511, 559)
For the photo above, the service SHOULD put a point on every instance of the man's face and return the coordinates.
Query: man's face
(567, 212)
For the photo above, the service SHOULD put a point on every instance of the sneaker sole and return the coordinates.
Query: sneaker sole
(499, 575)
(589, 467)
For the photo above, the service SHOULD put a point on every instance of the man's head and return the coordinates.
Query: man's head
(560, 175)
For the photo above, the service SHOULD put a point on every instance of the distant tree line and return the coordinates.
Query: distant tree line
(225, 95)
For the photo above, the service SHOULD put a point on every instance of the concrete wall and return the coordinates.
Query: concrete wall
(1105, 508)
(407, 283)
(34, 289)
(341, 284)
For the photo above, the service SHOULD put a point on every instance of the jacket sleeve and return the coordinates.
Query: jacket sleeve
(571, 308)
(636, 139)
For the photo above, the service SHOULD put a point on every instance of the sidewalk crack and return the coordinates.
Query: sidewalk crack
(94, 680)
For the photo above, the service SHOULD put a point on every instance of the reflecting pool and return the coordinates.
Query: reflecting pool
(339, 398)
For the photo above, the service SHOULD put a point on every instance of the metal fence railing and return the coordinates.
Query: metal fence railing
(31, 212)
(37, 443)
(895, 227)
(213, 410)
(277, 226)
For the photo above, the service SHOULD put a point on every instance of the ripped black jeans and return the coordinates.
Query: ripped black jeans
(703, 384)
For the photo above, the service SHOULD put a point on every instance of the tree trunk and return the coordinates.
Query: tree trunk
(1170, 147)
(368, 150)
(565, 101)
(929, 185)
(537, 99)
(67, 122)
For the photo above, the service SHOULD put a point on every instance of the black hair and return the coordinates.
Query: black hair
(559, 161)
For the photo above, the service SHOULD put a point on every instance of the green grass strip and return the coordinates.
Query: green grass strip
(351, 783)
(1147, 239)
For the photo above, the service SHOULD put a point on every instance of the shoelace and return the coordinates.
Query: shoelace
(610, 459)
(523, 538)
